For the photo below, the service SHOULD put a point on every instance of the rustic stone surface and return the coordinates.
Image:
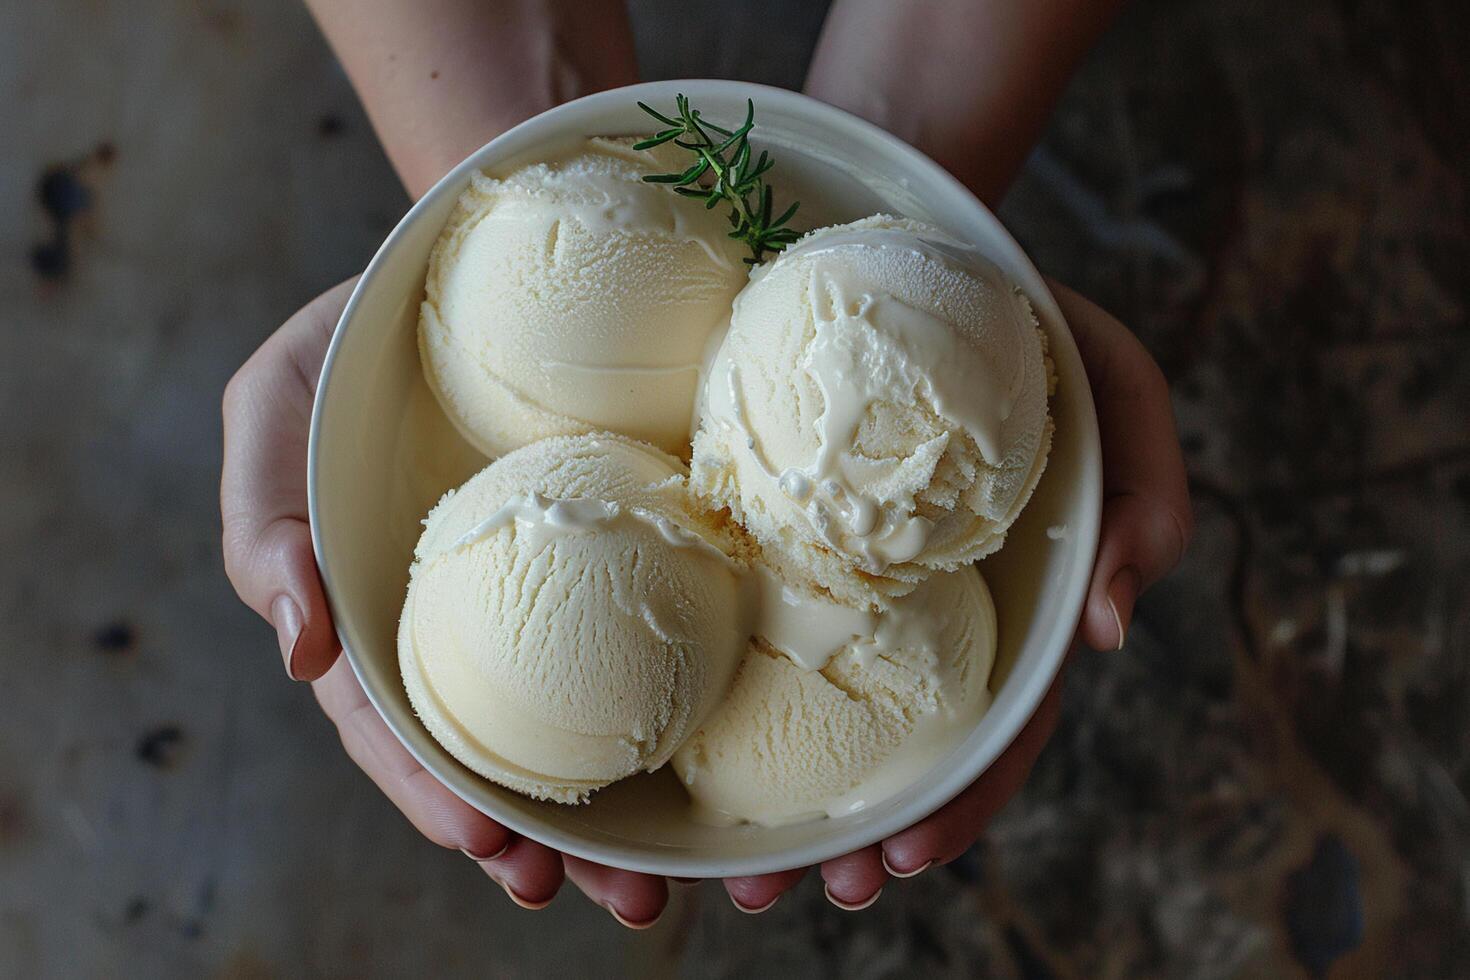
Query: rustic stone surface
(1270, 780)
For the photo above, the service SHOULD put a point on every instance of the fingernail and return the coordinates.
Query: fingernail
(477, 858)
(523, 903)
(756, 911)
(632, 925)
(854, 906)
(1122, 593)
(905, 874)
(286, 617)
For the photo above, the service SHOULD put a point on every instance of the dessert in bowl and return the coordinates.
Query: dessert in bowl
(766, 576)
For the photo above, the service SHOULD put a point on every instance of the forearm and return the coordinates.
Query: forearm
(970, 82)
(439, 78)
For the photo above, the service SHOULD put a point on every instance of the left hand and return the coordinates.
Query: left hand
(268, 556)
(1146, 524)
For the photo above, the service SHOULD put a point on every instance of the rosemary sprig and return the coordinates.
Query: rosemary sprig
(737, 178)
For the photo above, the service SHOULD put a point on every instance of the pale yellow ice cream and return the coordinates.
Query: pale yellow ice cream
(877, 410)
(571, 296)
(571, 617)
(789, 744)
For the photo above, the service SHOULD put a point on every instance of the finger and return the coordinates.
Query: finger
(854, 881)
(635, 900)
(279, 573)
(437, 813)
(267, 542)
(757, 893)
(1146, 515)
(950, 831)
(530, 873)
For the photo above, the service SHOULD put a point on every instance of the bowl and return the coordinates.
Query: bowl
(382, 452)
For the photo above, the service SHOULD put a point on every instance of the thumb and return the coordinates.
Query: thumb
(276, 575)
(1146, 517)
(1142, 541)
(267, 541)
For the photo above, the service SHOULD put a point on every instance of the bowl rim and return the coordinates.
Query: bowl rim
(1032, 687)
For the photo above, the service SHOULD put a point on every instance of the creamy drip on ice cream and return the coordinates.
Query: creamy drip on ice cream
(542, 518)
(811, 630)
(910, 625)
(870, 346)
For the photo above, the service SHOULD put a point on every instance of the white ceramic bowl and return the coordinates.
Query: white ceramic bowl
(382, 453)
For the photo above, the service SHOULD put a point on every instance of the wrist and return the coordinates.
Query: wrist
(440, 78)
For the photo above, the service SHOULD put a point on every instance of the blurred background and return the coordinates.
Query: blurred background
(1270, 780)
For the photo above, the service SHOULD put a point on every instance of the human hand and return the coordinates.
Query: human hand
(1146, 523)
(269, 559)
(970, 84)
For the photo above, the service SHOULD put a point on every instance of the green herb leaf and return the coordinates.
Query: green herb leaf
(735, 182)
(657, 139)
(659, 115)
(785, 215)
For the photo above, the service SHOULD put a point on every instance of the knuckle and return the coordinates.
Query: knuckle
(227, 547)
(236, 558)
(1173, 524)
(235, 391)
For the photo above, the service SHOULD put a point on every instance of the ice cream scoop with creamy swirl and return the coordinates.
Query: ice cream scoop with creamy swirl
(571, 616)
(795, 740)
(877, 410)
(571, 296)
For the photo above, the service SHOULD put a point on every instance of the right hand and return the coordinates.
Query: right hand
(1146, 523)
(269, 559)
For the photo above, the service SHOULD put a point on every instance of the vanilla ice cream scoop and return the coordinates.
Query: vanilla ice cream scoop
(571, 296)
(877, 410)
(789, 744)
(571, 616)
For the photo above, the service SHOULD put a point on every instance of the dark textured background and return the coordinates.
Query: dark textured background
(1270, 780)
